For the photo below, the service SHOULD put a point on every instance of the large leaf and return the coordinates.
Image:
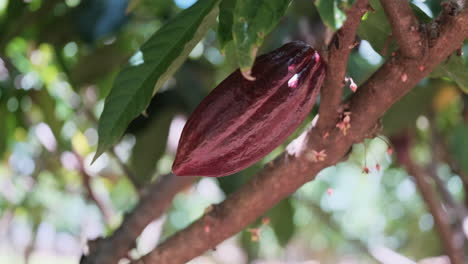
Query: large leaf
(150, 67)
(150, 146)
(332, 16)
(420, 14)
(226, 18)
(455, 69)
(434, 6)
(253, 20)
(281, 219)
(233, 183)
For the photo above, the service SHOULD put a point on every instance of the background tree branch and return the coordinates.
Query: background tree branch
(295, 167)
(153, 203)
(457, 209)
(441, 219)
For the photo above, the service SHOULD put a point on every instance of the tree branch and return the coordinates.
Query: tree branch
(86, 180)
(90, 115)
(295, 167)
(405, 27)
(126, 170)
(154, 202)
(457, 208)
(338, 52)
(430, 197)
(445, 156)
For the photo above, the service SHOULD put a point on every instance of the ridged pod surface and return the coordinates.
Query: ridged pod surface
(241, 121)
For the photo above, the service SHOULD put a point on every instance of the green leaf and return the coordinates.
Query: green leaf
(282, 223)
(253, 20)
(8, 125)
(231, 184)
(455, 69)
(420, 15)
(158, 8)
(48, 104)
(434, 6)
(226, 18)
(331, 15)
(281, 220)
(252, 248)
(459, 146)
(375, 28)
(150, 67)
(150, 146)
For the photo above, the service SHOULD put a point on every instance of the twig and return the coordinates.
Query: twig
(31, 245)
(384, 50)
(86, 178)
(405, 27)
(128, 172)
(457, 208)
(153, 203)
(454, 167)
(90, 115)
(440, 217)
(292, 169)
(339, 49)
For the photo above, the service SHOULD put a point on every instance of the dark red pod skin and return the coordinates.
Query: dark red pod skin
(241, 121)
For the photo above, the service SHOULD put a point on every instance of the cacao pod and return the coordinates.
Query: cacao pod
(241, 121)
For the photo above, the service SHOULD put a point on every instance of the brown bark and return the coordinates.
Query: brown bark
(338, 52)
(405, 27)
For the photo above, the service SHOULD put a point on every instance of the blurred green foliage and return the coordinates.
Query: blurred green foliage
(58, 63)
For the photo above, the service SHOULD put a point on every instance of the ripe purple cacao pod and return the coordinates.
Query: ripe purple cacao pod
(241, 121)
